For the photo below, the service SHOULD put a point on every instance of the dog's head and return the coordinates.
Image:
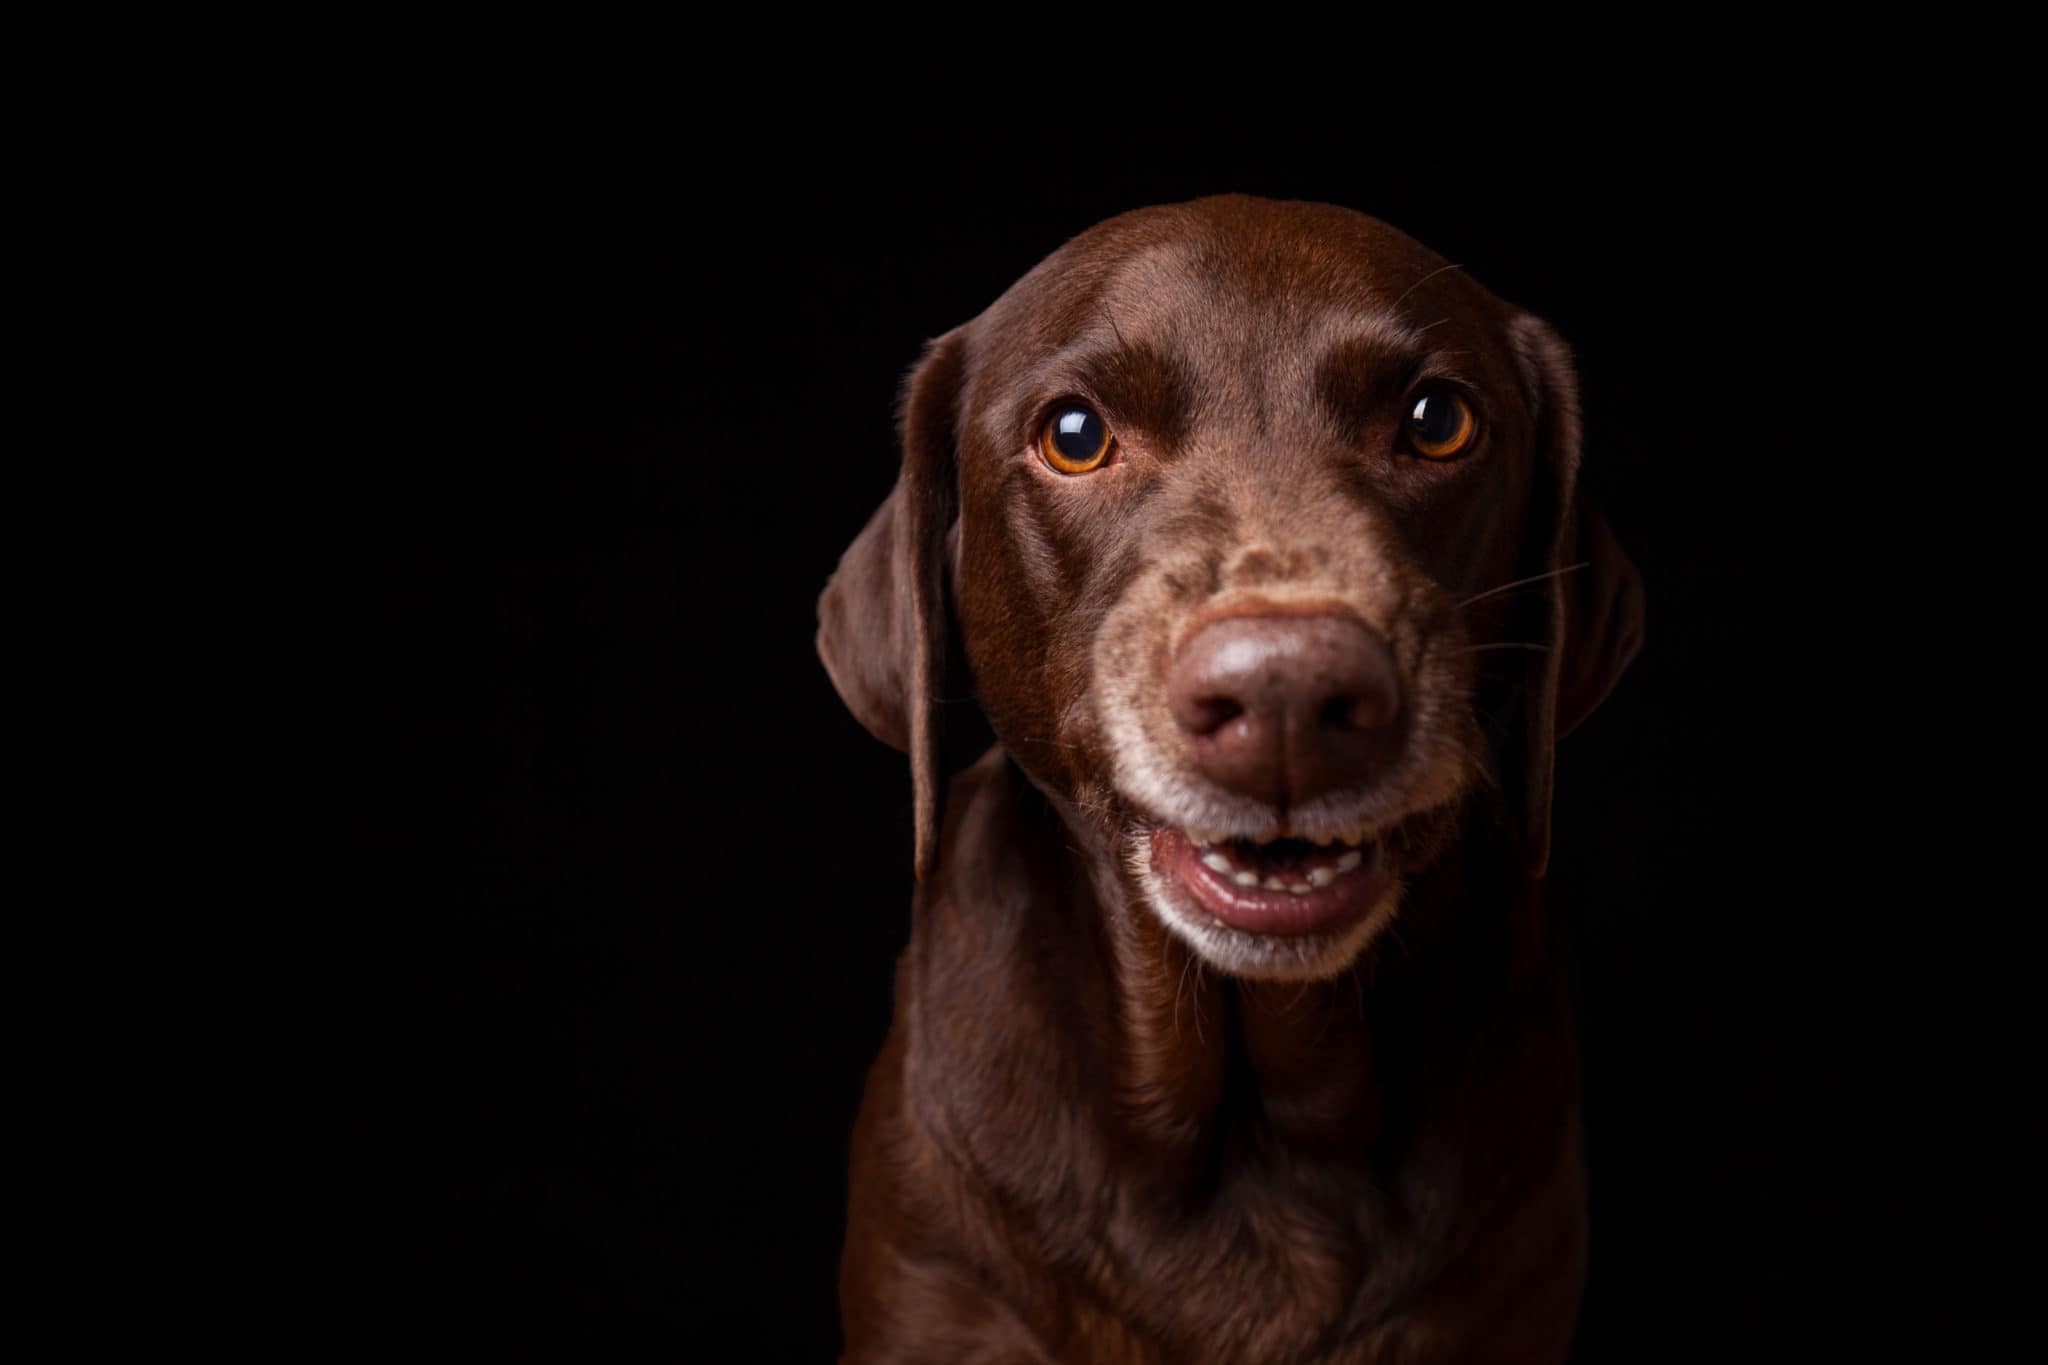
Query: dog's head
(1254, 527)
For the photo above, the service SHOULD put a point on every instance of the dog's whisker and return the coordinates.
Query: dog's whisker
(1425, 280)
(1393, 932)
(1178, 986)
(1502, 644)
(1523, 583)
(1115, 331)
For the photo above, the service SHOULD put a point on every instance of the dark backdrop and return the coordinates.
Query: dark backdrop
(502, 910)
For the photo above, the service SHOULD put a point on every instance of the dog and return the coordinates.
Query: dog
(1230, 1027)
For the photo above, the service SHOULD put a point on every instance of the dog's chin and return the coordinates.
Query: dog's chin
(1276, 909)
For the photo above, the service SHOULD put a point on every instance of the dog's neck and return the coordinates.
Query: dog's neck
(1201, 1070)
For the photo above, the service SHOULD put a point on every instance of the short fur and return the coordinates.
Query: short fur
(1101, 1131)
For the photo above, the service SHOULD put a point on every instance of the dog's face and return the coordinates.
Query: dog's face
(1225, 510)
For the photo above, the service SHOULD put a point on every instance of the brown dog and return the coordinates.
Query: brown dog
(1230, 1029)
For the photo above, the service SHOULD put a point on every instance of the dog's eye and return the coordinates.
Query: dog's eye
(1075, 440)
(1440, 425)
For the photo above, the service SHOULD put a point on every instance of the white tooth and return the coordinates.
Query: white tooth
(1300, 888)
(1246, 879)
(1274, 884)
(1324, 840)
(1322, 876)
(1218, 863)
(1350, 860)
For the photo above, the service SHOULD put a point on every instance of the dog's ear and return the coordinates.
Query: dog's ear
(1592, 612)
(883, 619)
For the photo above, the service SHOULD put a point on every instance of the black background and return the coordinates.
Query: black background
(501, 909)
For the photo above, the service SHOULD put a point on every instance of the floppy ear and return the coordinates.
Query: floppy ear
(1593, 600)
(883, 618)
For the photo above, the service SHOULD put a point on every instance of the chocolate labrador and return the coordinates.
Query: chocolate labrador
(1230, 1028)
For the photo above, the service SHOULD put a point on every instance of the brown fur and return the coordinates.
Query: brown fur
(1084, 1141)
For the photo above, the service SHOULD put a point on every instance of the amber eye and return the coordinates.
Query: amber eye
(1440, 425)
(1075, 440)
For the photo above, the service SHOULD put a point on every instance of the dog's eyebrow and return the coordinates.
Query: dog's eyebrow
(1360, 374)
(1139, 382)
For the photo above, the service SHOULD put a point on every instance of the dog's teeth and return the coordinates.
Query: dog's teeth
(1325, 840)
(1274, 884)
(1216, 862)
(1322, 876)
(1246, 879)
(1350, 860)
(1300, 888)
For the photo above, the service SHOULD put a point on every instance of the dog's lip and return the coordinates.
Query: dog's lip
(1349, 880)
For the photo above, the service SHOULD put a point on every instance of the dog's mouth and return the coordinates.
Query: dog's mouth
(1279, 886)
(1289, 888)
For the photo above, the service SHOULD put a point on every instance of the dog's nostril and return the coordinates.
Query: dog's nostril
(1207, 715)
(1374, 705)
(1202, 711)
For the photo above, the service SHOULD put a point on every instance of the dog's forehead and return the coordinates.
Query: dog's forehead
(1229, 258)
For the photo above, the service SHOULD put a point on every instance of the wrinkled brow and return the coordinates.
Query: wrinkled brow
(1139, 384)
(1357, 376)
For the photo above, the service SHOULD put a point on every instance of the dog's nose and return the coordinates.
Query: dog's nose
(1284, 708)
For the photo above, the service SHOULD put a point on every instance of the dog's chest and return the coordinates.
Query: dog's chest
(1313, 1269)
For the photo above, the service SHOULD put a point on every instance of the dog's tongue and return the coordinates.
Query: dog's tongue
(1285, 887)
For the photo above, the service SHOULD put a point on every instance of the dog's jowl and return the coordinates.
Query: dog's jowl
(1230, 1028)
